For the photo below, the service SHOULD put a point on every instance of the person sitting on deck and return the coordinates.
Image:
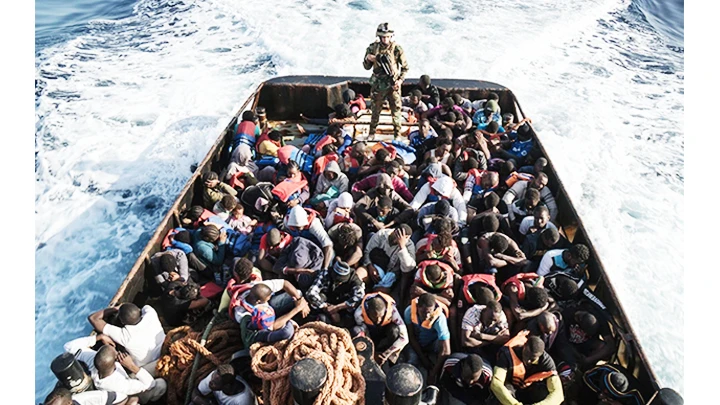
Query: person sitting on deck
(290, 153)
(422, 135)
(413, 102)
(247, 129)
(519, 189)
(339, 210)
(245, 276)
(241, 167)
(526, 374)
(182, 303)
(301, 260)
(538, 221)
(375, 164)
(381, 216)
(525, 297)
(429, 212)
(223, 207)
(214, 190)
(307, 223)
(355, 101)
(330, 184)
(523, 207)
(465, 379)
(391, 169)
(371, 199)
(108, 368)
(491, 104)
(63, 396)
(272, 244)
(430, 93)
(439, 246)
(347, 245)
(478, 185)
(141, 332)
(442, 188)
(441, 153)
(355, 157)
(390, 253)
(428, 333)
(172, 261)
(259, 324)
(584, 340)
(436, 278)
(484, 329)
(463, 103)
(537, 244)
(570, 260)
(499, 253)
(439, 117)
(270, 146)
(336, 293)
(547, 326)
(519, 146)
(240, 222)
(378, 318)
(204, 246)
(470, 290)
(224, 387)
(609, 384)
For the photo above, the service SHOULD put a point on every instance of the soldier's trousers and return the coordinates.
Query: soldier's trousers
(393, 97)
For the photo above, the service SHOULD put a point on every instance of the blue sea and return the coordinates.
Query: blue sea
(130, 93)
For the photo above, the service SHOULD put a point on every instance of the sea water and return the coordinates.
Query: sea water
(130, 94)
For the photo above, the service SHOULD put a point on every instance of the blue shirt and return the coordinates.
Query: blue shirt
(520, 148)
(479, 118)
(426, 337)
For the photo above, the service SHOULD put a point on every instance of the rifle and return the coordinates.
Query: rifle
(384, 63)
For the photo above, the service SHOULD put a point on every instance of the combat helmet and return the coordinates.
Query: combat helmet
(384, 30)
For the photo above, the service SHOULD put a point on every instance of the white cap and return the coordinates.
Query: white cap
(297, 217)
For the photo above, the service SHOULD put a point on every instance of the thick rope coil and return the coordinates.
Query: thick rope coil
(327, 344)
(179, 350)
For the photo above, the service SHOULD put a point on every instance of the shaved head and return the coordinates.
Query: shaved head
(129, 314)
(105, 359)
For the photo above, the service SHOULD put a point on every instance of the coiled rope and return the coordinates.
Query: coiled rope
(180, 348)
(325, 343)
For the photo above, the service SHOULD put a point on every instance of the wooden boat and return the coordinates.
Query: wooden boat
(286, 97)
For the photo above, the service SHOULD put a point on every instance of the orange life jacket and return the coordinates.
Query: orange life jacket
(519, 280)
(236, 291)
(206, 214)
(390, 148)
(449, 273)
(321, 163)
(428, 245)
(325, 140)
(440, 308)
(515, 177)
(487, 279)
(288, 187)
(519, 379)
(389, 305)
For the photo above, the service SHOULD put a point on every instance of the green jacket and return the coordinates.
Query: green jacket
(397, 61)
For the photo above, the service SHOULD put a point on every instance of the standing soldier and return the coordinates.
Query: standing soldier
(387, 60)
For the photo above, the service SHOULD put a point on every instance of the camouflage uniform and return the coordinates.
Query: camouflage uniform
(381, 84)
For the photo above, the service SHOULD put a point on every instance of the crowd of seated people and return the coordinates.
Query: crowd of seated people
(451, 261)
